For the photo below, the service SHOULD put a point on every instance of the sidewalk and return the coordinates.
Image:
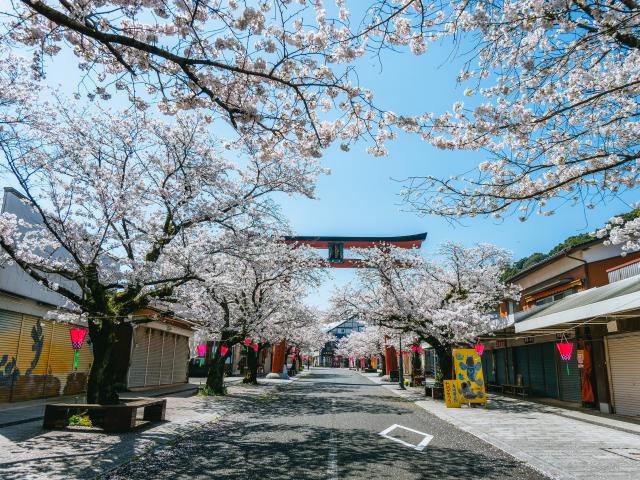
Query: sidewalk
(28, 451)
(563, 444)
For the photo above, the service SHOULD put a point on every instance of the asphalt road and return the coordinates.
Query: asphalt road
(326, 425)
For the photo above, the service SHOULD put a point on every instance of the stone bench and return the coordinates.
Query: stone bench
(112, 418)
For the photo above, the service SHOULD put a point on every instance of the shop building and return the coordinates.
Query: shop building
(585, 296)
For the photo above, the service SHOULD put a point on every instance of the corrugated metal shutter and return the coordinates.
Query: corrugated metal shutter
(569, 376)
(138, 366)
(522, 364)
(500, 366)
(624, 357)
(550, 372)
(181, 360)
(511, 376)
(10, 324)
(487, 367)
(536, 370)
(155, 357)
(60, 365)
(168, 351)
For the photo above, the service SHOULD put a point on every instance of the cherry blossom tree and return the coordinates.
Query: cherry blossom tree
(445, 302)
(552, 102)
(279, 72)
(126, 204)
(252, 291)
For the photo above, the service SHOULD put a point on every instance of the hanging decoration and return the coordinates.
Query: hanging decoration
(223, 350)
(247, 342)
(202, 351)
(479, 348)
(565, 348)
(77, 340)
(255, 348)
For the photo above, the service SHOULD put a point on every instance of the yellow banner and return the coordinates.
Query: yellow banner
(451, 397)
(469, 377)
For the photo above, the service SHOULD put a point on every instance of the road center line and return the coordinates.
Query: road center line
(332, 469)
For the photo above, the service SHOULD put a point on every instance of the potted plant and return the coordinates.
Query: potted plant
(437, 391)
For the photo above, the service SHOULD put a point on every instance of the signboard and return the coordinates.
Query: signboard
(451, 396)
(501, 343)
(469, 376)
(580, 358)
(528, 340)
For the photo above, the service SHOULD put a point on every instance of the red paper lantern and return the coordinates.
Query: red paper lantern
(77, 337)
(223, 350)
(247, 342)
(414, 349)
(419, 349)
(479, 348)
(565, 349)
(255, 348)
(202, 350)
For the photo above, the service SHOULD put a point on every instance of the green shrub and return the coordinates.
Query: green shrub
(81, 420)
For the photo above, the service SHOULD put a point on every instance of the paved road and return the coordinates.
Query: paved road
(326, 426)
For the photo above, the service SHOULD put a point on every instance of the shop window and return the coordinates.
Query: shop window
(556, 297)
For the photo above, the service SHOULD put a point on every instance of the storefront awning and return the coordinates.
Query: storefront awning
(583, 307)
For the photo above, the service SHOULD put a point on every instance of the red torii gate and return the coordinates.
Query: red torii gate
(336, 247)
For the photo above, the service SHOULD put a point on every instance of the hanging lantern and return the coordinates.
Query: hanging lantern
(479, 348)
(202, 351)
(223, 350)
(255, 348)
(565, 349)
(414, 349)
(419, 349)
(77, 340)
(247, 342)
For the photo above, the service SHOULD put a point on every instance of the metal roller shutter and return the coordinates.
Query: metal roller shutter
(624, 355)
(500, 366)
(569, 376)
(181, 360)
(487, 367)
(522, 364)
(155, 357)
(168, 351)
(550, 371)
(536, 370)
(10, 324)
(138, 365)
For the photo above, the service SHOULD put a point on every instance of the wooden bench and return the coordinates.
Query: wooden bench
(495, 387)
(111, 418)
(520, 390)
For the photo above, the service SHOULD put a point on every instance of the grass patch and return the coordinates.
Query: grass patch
(209, 392)
(81, 420)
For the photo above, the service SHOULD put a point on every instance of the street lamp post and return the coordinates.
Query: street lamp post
(400, 366)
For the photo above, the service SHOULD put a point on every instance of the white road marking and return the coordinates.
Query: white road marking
(419, 447)
(332, 468)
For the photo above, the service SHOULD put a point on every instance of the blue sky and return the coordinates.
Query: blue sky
(360, 197)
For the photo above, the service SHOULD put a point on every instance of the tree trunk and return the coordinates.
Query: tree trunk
(445, 359)
(101, 386)
(215, 377)
(251, 376)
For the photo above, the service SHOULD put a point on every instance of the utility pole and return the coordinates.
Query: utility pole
(400, 366)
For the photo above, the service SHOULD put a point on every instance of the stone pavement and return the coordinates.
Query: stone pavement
(562, 444)
(28, 451)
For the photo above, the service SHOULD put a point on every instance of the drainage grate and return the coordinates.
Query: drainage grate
(632, 453)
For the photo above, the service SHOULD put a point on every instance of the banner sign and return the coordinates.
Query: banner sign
(469, 377)
(451, 396)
